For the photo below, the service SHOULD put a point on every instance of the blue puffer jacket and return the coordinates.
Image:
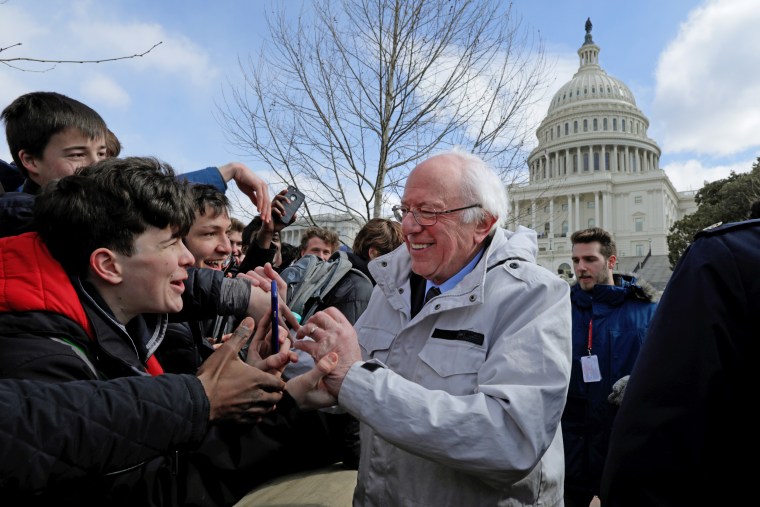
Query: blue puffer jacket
(621, 314)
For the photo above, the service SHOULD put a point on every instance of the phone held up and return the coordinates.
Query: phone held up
(275, 319)
(295, 199)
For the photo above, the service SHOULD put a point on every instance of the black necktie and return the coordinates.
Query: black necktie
(431, 293)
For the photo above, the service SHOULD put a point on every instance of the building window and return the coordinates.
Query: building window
(564, 228)
(546, 209)
(591, 223)
(604, 124)
(638, 199)
(557, 131)
(585, 162)
(596, 161)
(638, 224)
(547, 226)
(567, 128)
(596, 125)
(639, 250)
(622, 124)
(564, 207)
(614, 124)
(591, 204)
(585, 125)
(575, 127)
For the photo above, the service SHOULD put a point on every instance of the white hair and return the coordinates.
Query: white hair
(481, 184)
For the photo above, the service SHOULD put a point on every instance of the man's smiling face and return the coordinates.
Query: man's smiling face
(441, 250)
(208, 240)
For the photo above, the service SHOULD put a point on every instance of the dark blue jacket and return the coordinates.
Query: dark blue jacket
(621, 314)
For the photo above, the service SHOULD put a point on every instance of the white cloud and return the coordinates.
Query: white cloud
(707, 98)
(102, 89)
(692, 175)
(176, 55)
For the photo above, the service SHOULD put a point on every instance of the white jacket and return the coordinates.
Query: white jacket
(451, 421)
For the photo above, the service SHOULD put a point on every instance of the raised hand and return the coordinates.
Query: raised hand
(237, 391)
(251, 185)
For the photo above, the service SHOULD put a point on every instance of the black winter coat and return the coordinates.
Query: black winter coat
(684, 432)
(52, 436)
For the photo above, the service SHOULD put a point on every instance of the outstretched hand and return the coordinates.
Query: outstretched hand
(238, 392)
(309, 390)
(330, 332)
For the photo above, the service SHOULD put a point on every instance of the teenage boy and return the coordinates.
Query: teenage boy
(87, 298)
(51, 135)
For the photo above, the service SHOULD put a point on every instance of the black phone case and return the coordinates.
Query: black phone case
(295, 199)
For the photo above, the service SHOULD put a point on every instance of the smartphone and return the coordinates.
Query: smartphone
(275, 319)
(295, 199)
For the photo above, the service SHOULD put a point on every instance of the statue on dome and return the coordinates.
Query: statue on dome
(588, 25)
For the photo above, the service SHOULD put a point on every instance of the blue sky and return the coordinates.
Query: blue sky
(691, 65)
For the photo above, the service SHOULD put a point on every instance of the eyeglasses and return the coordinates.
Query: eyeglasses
(426, 217)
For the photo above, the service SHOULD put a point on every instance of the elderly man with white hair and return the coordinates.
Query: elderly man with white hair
(459, 368)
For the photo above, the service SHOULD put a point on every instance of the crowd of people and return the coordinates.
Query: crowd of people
(440, 361)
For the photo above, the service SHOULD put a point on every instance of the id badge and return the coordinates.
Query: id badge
(590, 367)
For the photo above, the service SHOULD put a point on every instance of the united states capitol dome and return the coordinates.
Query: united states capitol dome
(591, 82)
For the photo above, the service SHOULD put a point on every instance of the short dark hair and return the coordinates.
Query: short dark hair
(236, 225)
(113, 145)
(208, 196)
(607, 245)
(106, 205)
(381, 233)
(32, 119)
(326, 235)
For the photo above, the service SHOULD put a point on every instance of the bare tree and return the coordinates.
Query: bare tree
(347, 99)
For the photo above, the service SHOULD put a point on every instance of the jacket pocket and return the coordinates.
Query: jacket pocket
(450, 365)
(376, 343)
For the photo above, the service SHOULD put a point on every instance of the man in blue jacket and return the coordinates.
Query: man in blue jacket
(611, 314)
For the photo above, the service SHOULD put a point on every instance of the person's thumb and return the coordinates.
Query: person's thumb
(241, 335)
(327, 363)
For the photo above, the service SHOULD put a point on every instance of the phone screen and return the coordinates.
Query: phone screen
(275, 319)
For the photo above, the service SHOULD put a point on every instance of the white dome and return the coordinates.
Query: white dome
(590, 83)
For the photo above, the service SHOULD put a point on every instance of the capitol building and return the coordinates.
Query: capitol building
(595, 166)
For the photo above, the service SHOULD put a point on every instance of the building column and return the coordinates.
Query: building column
(567, 161)
(551, 217)
(517, 213)
(606, 207)
(578, 211)
(570, 213)
(533, 216)
(596, 209)
(602, 160)
(578, 166)
(627, 162)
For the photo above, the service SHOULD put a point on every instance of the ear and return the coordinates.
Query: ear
(483, 228)
(373, 252)
(30, 164)
(104, 265)
(611, 262)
